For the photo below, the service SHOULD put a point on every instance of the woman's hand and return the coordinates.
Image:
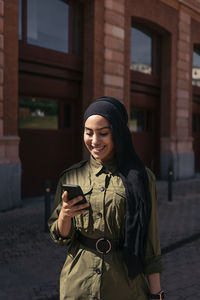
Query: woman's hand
(69, 207)
(68, 211)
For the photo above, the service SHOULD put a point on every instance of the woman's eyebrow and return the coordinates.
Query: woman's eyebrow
(98, 128)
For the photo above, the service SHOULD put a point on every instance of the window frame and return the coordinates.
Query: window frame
(156, 41)
(39, 54)
(148, 119)
(40, 128)
(197, 51)
(147, 84)
(195, 93)
(60, 114)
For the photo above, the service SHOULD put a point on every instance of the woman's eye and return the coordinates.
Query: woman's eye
(88, 133)
(104, 133)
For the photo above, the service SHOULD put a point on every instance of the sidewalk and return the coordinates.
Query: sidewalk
(30, 262)
(180, 239)
(180, 218)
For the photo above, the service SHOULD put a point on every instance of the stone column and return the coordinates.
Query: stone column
(184, 162)
(10, 169)
(114, 43)
(104, 50)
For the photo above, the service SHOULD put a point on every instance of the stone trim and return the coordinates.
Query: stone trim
(114, 45)
(9, 149)
(173, 3)
(183, 97)
(190, 5)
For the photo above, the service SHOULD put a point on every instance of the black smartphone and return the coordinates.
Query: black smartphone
(73, 192)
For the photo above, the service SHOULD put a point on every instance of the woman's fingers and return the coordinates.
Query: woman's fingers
(65, 197)
(71, 208)
(70, 203)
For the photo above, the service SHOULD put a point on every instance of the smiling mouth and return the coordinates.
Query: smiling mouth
(97, 150)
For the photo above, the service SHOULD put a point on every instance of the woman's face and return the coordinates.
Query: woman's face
(98, 138)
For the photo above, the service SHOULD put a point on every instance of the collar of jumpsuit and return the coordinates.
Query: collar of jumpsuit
(110, 167)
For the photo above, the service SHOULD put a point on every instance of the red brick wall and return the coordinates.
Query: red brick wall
(9, 141)
(1, 66)
(11, 68)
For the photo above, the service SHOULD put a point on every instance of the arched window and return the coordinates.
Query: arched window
(145, 51)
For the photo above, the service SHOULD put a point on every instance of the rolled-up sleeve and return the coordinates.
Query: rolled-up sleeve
(154, 260)
(53, 221)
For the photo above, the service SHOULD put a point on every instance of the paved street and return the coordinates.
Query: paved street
(181, 278)
(30, 263)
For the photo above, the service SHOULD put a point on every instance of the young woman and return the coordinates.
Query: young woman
(113, 240)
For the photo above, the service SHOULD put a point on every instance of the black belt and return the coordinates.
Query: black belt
(101, 245)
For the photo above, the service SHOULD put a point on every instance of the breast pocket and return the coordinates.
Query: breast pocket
(82, 221)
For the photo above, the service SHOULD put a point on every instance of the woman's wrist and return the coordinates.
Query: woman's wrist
(63, 217)
(160, 295)
(64, 224)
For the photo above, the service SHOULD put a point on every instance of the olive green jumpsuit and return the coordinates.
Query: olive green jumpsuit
(86, 274)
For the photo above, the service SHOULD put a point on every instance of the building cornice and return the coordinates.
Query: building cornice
(190, 5)
(173, 3)
(192, 9)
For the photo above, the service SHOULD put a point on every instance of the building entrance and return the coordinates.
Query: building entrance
(50, 79)
(50, 141)
(145, 120)
(49, 129)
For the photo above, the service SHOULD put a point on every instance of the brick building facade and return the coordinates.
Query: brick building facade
(10, 166)
(167, 100)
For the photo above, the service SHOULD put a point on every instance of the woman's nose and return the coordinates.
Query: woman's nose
(95, 139)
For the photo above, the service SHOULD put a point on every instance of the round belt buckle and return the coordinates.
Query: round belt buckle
(103, 246)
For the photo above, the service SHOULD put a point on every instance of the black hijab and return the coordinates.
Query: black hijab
(134, 177)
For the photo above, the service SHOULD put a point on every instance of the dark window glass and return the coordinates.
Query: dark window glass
(149, 121)
(137, 120)
(193, 124)
(76, 28)
(67, 115)
(141, 51)
(196, 68)
(141, 120)
(157, 54)
(20, 20)
(196, 122)
(35, 113)
(48, 24)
